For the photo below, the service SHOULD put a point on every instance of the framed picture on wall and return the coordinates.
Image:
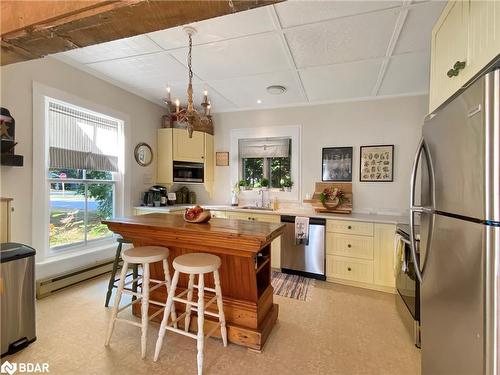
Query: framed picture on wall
(337, 164)
(222, 159)
(376, 163)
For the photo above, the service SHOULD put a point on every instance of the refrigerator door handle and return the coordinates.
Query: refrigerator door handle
(422, 147)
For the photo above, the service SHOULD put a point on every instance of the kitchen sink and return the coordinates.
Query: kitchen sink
(257, 208)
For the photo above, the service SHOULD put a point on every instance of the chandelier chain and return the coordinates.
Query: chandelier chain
(189, 58)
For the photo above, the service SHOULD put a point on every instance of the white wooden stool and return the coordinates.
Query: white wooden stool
(144, 255)
(194, 264)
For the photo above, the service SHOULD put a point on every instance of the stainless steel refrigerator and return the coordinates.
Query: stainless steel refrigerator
(459, 215)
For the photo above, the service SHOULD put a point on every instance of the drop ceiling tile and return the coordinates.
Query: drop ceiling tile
(416, 32)
(341, 81)
(245, 91)
(408, 73)
(254, 21)
(133, 46)
(342, 40)
(293, 13)
(250, 55)
(143, 71)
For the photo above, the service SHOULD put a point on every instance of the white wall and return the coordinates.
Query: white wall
(16, 95)
(386, 121)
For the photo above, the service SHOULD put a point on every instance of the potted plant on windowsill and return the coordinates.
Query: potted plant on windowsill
(287, 184)
(264, 183)
(242, 185)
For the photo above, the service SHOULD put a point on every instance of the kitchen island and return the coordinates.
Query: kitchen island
(245, 272)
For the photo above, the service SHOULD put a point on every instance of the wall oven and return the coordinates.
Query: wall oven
(188, 172)
(407, 284)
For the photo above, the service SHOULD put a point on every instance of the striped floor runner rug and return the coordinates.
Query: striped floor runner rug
(292, 286)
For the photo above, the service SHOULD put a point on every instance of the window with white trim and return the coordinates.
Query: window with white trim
(265, 162)
(84, 149)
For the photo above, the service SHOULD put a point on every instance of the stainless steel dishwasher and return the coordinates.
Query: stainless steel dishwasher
(306, 260)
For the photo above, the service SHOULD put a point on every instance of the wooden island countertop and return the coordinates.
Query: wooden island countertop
(245, 278)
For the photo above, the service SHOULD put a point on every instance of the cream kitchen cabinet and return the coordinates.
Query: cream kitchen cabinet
(449, 46)
(165, 161)
(219, 214)
(360, 254)
(484, 33)
(269, 218)
(465, 39)
(5, 218)
(175, 145)
(188, 149)
(383, 255)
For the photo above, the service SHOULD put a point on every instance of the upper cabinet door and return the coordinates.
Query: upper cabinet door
(188, 149)
(164, 163)
(484, 33)
(449, 47)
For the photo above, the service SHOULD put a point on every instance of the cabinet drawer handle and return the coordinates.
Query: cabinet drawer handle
(349, 227)
(349, 269)
(452, 73)
(349, 246)
(459, 65)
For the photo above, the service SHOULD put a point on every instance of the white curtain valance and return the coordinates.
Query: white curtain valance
(82, 140)
(264, 148)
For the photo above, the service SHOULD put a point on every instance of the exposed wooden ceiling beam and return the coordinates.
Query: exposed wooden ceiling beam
(33, 29)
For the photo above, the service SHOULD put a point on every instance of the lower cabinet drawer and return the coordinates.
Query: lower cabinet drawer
(359, 228)
(349, 246)
(219, 214)
(349, 269)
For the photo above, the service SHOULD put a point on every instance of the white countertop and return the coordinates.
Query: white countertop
(374, 218)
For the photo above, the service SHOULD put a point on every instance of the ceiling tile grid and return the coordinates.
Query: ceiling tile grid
(319, 50)
(341, 81)
(342, 40)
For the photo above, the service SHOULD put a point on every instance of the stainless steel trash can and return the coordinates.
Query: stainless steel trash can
(17, 297)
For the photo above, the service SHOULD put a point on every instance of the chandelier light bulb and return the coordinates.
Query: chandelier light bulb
(168, 94)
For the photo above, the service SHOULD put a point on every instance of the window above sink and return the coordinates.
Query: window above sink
(271, 153)
(265, 161)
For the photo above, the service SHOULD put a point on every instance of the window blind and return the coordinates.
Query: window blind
(264, 148)
(79, 139)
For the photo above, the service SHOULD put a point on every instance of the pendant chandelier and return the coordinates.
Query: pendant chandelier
(189, 117)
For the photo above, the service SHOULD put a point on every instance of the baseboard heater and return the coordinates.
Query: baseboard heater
(50, 285)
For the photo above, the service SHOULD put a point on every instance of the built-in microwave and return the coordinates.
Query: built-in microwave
(188, 172)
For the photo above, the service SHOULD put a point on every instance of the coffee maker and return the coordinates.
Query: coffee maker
(156, 196)
(163, 194)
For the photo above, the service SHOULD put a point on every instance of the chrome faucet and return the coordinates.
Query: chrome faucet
(262, 200)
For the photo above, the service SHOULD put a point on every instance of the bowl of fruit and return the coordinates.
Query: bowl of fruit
(197, 214)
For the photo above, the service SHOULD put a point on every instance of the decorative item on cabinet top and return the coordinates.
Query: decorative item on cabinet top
(8, 135)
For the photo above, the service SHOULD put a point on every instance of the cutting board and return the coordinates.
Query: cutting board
(345, 208)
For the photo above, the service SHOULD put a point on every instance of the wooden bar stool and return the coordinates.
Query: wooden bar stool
(194, 264)
(145, 256)
(112, 279)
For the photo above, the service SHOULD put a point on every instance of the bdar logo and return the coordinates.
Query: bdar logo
(8, 368)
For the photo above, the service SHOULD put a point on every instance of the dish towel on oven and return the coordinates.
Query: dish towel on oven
(399, 254)
(301, 230)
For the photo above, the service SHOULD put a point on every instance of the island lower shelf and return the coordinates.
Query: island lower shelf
(246, 284)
